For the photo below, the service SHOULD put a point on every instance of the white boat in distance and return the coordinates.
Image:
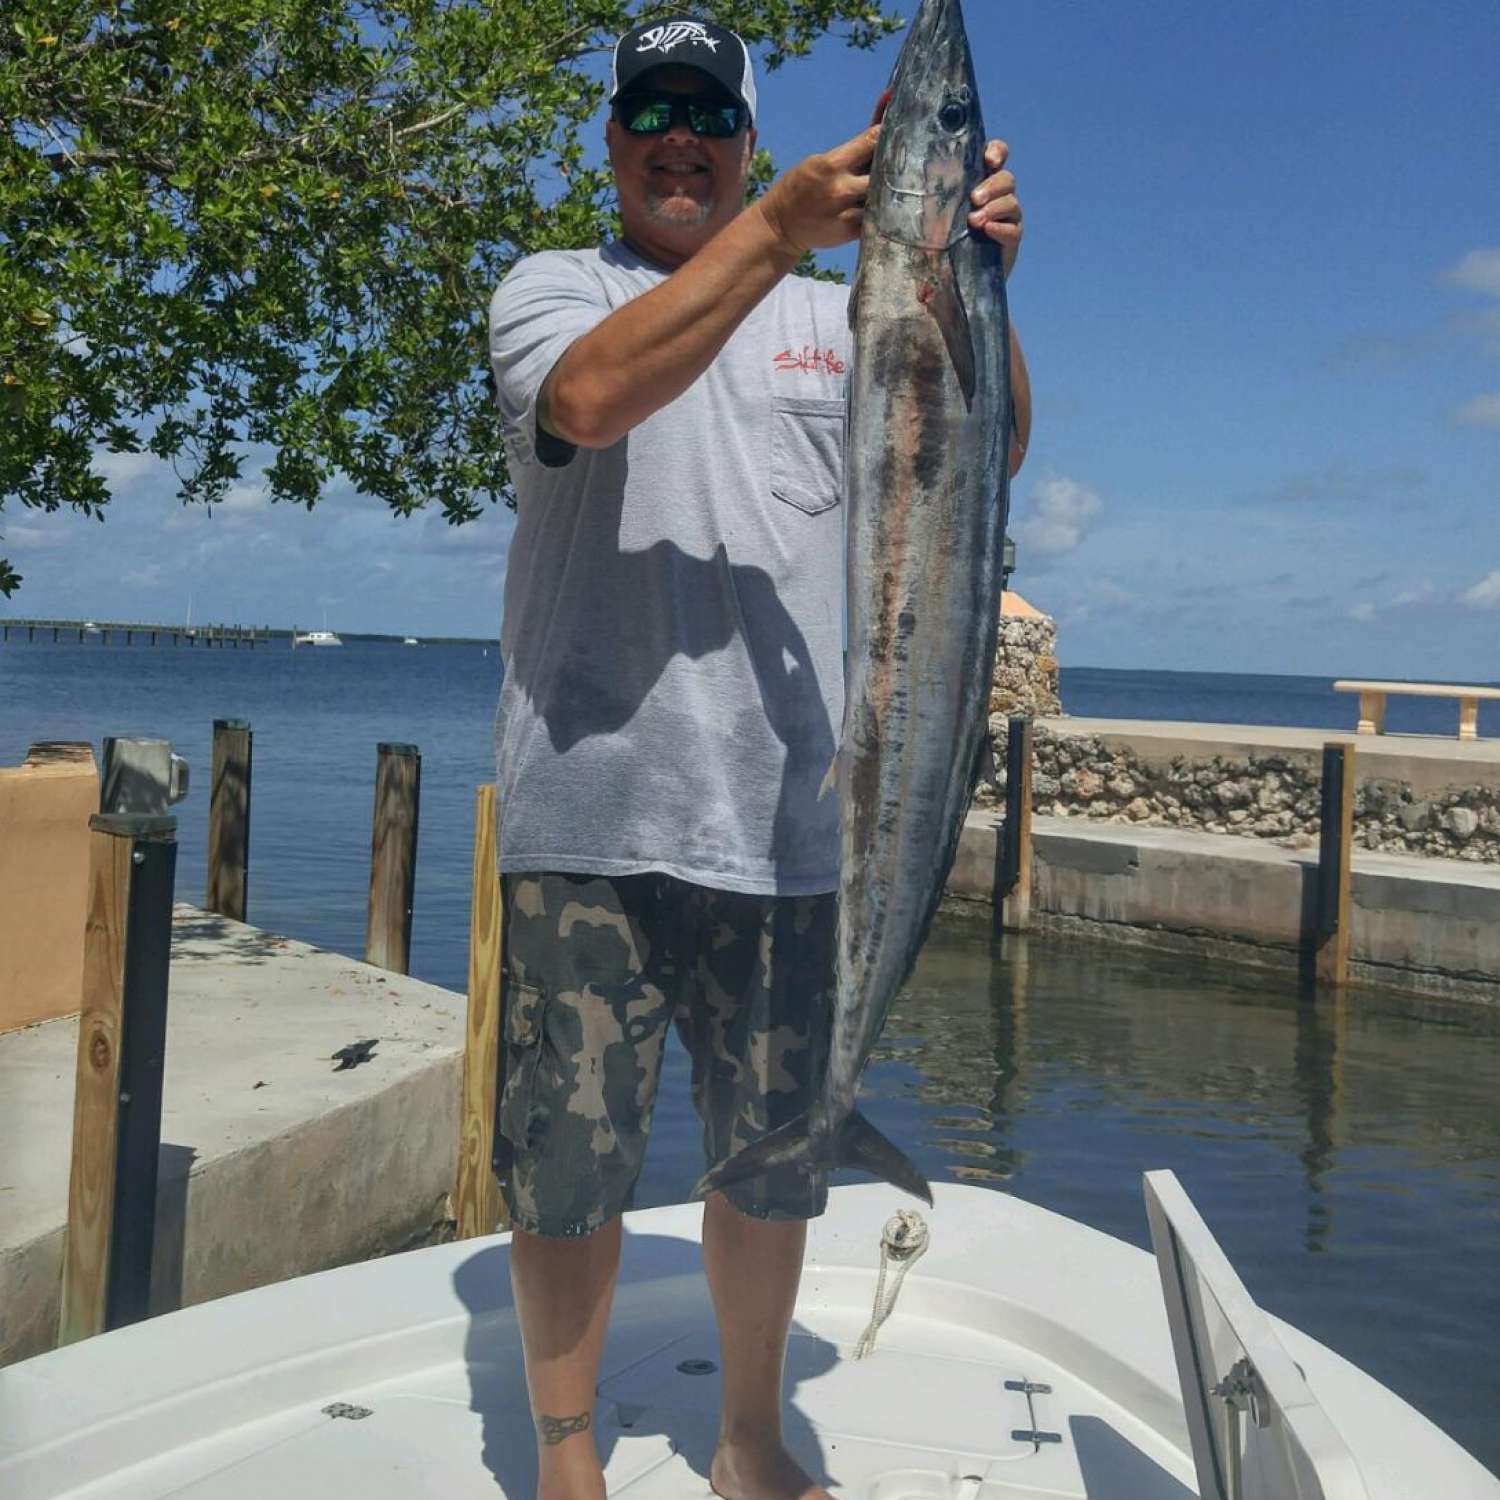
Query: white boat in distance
(411, 640)
(316, 638)
(1024, 1355)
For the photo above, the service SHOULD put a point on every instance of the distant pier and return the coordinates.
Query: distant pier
(210, 636)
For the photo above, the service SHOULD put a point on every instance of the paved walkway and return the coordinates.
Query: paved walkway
(253, 1107)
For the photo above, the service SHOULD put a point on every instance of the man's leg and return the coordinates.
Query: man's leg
(585, 1020)
(563, 1289)
(757, 1030)
(754, 1267)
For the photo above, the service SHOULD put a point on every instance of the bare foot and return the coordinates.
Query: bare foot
(761, 1471)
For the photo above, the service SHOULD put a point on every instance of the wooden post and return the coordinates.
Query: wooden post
(1468, 718)
(117, 1096)
(229, 819)
(477, 1205)
(1335, 849)
(393, 857)
(1014, 886)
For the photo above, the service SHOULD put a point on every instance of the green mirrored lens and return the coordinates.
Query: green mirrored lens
(647, 116)
(714, 119)
(653, 114)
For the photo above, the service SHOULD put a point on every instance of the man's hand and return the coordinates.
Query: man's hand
(997, 209)
(820, 203)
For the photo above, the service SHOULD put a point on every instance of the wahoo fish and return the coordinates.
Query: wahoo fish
(927, 479)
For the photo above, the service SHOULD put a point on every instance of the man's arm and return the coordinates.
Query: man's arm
(650, 351)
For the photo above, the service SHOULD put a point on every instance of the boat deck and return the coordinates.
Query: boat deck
(403, 1377)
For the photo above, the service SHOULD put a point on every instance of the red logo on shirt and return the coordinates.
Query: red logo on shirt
(810, 361)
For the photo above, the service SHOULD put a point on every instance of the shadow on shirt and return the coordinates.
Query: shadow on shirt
(630, 616)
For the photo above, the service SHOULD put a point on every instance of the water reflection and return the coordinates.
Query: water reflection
(1346, 1151)
(1315, 1068)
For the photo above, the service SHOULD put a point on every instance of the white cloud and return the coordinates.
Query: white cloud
(1482, 411)
(122, 469)
(1059, 514)
(1364, 612)
(1418, 594)
(1479, 271)
(1486, 593)
(243, 498)
(32, 537)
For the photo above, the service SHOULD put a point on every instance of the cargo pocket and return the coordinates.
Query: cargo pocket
(807, 459)
(517, 1116)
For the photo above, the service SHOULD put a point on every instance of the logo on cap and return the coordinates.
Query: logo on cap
(673, 34)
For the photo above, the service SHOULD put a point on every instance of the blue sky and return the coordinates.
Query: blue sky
(1260, 296)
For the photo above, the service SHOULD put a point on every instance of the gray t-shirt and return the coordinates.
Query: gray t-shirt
(673, 635)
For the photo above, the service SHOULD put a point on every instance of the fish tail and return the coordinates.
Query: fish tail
(861, 1145)
(806, 1144)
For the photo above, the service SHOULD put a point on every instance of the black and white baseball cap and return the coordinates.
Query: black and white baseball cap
(712, 50)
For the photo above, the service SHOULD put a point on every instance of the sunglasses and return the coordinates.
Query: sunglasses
(655, 114)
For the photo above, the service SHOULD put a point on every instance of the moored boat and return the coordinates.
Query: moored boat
(1022, 1354)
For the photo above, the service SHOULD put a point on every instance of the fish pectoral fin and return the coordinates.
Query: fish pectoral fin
(945, 302)
(830, 780)
(799, 1143)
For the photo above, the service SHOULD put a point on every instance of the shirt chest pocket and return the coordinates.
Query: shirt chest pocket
(807, 452)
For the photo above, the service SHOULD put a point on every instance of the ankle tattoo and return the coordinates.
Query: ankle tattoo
(555, 1429)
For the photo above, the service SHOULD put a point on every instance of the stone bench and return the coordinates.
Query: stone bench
(1372, 696)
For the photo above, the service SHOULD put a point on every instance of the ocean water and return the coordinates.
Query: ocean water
(1346, 1155)
(1241, 698)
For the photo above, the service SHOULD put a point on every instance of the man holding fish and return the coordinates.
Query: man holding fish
(674, 410)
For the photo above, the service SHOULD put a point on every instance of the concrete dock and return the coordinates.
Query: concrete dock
(295, 1166)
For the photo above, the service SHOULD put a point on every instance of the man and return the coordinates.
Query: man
(672, 642)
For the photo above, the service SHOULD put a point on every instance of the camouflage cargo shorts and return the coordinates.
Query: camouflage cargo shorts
(596, 968)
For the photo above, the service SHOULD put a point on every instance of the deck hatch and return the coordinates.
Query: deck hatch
(1256, 1427)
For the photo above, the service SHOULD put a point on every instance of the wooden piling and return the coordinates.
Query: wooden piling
(1335, 851)
(477, 1205)
(393, 857)
(1013, 888)
(229, 819)
(118, 1089)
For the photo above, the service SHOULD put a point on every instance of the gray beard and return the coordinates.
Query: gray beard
(677, 213)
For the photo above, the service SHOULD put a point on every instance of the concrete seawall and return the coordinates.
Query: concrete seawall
(1413, 794)
(1430, 926)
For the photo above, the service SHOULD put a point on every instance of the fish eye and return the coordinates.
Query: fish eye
(954, 115)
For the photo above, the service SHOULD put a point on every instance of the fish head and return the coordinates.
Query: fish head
(930, 154)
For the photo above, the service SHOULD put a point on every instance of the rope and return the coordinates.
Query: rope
(904, 1241)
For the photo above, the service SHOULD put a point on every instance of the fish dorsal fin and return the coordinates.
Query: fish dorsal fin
(854, 291)
(939, 292)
